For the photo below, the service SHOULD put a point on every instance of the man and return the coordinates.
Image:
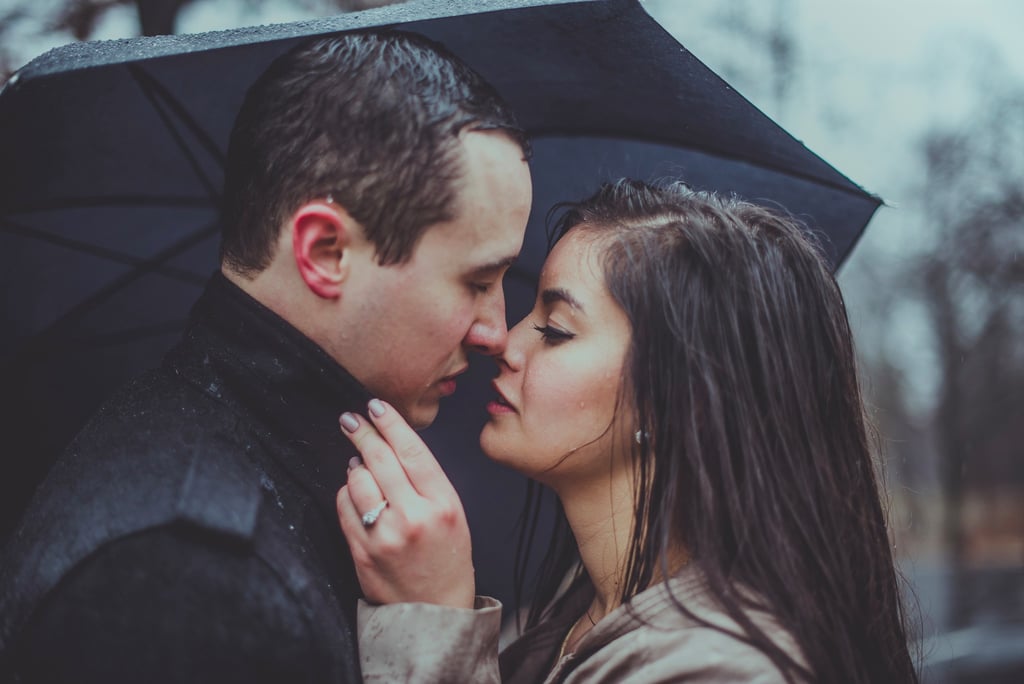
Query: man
(376, 190)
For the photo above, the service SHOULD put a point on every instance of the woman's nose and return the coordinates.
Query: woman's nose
(514, 353)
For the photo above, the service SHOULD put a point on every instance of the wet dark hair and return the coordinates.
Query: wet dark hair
(370, 119)
(757, 460)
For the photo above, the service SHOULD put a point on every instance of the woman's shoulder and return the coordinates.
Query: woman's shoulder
(653, 640)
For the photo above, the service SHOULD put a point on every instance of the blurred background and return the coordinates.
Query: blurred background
(922, 103)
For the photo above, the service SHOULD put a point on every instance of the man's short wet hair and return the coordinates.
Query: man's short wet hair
(370, 119)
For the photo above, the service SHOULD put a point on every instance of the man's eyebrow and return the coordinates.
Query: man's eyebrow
(494, 266)
(557, 294)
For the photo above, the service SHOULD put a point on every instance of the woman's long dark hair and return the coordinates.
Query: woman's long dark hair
(757, 460)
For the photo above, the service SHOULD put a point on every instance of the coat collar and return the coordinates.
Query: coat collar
(534, 656)
(239, 352)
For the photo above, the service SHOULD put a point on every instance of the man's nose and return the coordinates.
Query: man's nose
(489, 332)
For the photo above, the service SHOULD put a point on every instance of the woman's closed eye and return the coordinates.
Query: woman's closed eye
(552, 335)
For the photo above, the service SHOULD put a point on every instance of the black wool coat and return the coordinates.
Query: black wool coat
(189, 533)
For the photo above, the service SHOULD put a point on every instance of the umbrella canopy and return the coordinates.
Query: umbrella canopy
(112, 156)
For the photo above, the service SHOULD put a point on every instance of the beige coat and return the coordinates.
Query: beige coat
(653, 643)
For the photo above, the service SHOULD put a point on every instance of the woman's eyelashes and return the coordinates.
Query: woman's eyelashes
(552, 335)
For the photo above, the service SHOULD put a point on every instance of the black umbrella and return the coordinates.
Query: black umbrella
(112, 156)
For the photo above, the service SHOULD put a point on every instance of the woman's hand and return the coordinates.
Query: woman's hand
(418, 548)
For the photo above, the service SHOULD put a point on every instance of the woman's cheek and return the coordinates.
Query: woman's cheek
(570, 396)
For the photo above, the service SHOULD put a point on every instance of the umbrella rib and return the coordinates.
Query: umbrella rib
(181, 274)
(45, 338)
(147, 86)
(205, 139)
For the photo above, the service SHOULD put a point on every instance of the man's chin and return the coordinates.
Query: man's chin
(421, 414)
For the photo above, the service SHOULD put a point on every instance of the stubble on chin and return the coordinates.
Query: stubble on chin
(422, 414)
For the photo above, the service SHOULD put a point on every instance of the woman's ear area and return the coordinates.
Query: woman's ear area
(322, 238)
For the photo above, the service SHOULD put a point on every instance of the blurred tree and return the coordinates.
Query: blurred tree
(972, 286)
(763, 57)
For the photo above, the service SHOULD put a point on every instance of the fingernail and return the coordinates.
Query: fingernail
(376, 407)
(349, 422)
(354, 462)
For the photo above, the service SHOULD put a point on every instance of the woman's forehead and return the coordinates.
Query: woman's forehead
(575, 267)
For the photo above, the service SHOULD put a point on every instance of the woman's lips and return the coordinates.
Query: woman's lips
(500, 405)
(496, 408)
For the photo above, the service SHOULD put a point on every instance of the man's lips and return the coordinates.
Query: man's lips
(448, 384)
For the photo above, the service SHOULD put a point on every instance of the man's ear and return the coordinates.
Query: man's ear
(322, 237)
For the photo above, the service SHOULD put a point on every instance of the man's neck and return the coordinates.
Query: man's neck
(283, 292)
(267, 288)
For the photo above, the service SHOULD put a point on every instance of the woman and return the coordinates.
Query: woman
(686, 386)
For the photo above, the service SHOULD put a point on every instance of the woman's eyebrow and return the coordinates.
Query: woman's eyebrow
(557, 294)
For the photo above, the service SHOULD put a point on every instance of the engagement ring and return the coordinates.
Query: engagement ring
(370, 516)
